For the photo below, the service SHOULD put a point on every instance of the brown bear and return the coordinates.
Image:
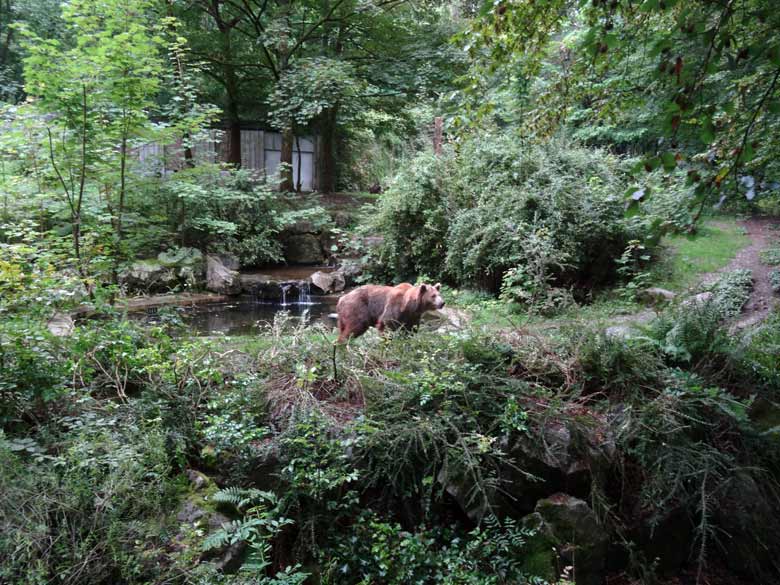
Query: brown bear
(385, 307)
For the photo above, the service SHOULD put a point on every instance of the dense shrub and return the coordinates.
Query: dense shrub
(92, 511)
(479, 209)
(231, 211)
(33, 372)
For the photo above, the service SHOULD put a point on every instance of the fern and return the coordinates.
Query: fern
(243, 498)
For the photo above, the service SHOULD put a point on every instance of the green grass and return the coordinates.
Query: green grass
(682, 263)
(685, 259)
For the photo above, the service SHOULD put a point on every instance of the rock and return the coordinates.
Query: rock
(583, 542)
(556, 459)
(180, 257)
(220, 278)
(176, 268)
(229, 261)
(448, 319)
(261, 286)
(656, 295)
(746, 517)
(373, 241)
(328, 282)
(301, 227)
(698, 300)
(61, 325)
(667, 543)
(198, 479)
(620, 331)
(303, 249)
(148, 276)
(197, 516)
(189, 277)
(460, 486)
(342, 219)
(540, 558)
(231, 557)
(351, 269)
(543, 463)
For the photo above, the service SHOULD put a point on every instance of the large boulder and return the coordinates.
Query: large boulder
(61, 325)
(540, 556)
(558, 457)
(747, 518)
(665, 540)
(328, 282)
(148, 276)
(197, 516)
(582, 541)
(261, 286)
(172, 269)
(221, 279)
(656, 295)
(181, 257)
(447, 319)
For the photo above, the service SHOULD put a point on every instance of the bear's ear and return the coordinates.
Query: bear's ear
(437, 286)
(423, 288)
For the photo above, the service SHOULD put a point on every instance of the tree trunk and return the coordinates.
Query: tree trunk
(285, 171)
(328, 175)
(231, 99)
(299, 182)
(234, 140)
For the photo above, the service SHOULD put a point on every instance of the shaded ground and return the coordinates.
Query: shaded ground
(761, 231)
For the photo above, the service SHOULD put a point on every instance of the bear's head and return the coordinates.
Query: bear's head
(430, 297)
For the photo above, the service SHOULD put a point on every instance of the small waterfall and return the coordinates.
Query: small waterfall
(285, 288)
(304, 293)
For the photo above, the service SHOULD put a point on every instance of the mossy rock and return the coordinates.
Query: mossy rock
(583, 542)
(540, 559)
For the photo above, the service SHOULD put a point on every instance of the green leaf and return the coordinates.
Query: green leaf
(632, 209)
(707, 131)
(774, 55)
(649, 5)
(747, 154)
(669, 160)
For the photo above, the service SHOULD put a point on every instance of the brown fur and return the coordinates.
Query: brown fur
(385, 307)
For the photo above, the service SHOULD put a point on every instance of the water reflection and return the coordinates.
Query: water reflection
(242, 317)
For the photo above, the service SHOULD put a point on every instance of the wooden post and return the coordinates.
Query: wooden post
(437, 135)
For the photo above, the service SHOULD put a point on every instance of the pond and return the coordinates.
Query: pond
(242, 316)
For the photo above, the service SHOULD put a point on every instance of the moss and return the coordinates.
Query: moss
(540, 559)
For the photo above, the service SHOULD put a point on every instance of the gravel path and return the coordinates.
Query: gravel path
(763, 232)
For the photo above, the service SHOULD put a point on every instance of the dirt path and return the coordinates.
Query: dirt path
(762, 231)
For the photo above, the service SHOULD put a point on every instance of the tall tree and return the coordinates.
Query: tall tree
(704, 75)
(40, 16)
(96, 93)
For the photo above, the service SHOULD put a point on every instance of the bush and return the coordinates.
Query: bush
(694, 331)
(379, 551)
(232, 211)
(105, 493)
(33, 372)
(477, 211)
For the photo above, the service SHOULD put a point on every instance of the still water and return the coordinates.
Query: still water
(241, 316)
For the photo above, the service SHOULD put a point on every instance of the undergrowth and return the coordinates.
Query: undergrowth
(419, 459)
